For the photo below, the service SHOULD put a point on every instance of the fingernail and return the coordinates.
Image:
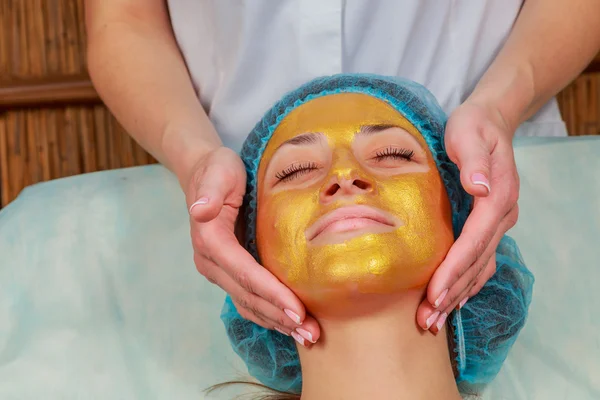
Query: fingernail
(282, 332)
(295, 317)
(440, 299)
(463, 302)
(298, 338)
(431, 319)
(441, 321)
(200, 202)
(305, 334)
(480, 179)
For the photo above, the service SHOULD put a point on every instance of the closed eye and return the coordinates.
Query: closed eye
(295, 171)
(394, 153)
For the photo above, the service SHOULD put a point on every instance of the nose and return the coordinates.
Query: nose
(346, 182)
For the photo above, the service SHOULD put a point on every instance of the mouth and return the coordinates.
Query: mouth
(352, 219)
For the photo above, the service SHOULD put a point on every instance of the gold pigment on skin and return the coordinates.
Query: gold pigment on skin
(378, 262)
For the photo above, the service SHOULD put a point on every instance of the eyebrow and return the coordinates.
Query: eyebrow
(305, 138)
(372, 129)
(312, 137)
(367, 130)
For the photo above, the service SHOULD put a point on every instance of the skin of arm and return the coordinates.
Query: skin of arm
(551, 43)
(139, 72)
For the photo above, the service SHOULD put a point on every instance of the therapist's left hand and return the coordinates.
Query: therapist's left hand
(479, 141)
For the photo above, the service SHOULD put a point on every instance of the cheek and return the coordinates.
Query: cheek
(418, 196)
(420, 200)
(282, 219)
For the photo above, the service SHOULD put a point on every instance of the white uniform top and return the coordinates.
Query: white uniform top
(243, 55)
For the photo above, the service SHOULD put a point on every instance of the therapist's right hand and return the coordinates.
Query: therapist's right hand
(214, 194)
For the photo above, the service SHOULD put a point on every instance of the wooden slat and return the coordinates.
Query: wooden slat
(20, 40)
(71, 30)
(113, 150)
(73, 153)
(579, 109)
(40, 23)
(50, 12)
(43, 148)
(87, 139)
(16, 149)
(53, 143)
(594, 104)
(48, 91)
(4, 38)
(62, 141)
(35, 38)
(81, 34)
(100, 136)
(13, 28)
(60, 26)
(34, 173)
(4, 168)
(570, 106)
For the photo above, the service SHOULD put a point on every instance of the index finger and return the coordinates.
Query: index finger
(253, 277)
(479, 229)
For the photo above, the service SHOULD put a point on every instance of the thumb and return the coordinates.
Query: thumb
(209, 197)
(474, 161)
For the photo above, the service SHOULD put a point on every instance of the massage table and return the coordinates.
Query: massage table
(100, 299)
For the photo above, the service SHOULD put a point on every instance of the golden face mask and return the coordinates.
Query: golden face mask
(350, 202)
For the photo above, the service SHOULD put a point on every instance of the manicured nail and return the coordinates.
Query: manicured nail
(480, 179)
(462, 303)
(441, 321)
(282, 332)
(432, 319)
(305, 334)
(298, 338)
(295, 317)
(440, 299)
(201, 202)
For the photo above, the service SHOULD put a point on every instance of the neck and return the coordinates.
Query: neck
(382, 355)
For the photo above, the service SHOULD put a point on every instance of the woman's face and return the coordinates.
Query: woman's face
(350, 202)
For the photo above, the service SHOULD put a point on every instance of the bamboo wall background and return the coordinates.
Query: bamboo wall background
(580, 104)
(45, 39)
(42, 39)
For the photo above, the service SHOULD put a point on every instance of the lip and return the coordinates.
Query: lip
(364, 214)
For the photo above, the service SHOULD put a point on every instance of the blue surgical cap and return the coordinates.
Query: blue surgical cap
(484, 329)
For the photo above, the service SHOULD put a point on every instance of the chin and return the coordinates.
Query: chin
(345, 298)
(384, 273)
(352, 302)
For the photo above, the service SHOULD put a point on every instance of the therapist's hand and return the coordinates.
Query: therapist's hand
(479, 141)
(214, 194)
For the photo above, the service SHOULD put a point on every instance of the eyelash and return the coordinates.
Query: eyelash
(296, 171)
(395, 154)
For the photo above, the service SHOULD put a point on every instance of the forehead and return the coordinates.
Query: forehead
(338, 116)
